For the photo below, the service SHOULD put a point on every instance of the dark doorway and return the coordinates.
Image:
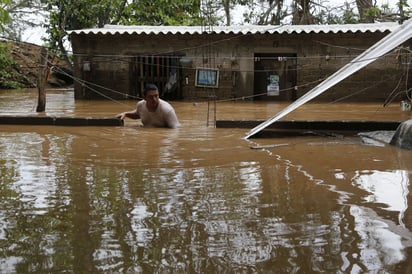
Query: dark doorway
(275, 76)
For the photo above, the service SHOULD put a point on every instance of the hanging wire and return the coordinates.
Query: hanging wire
(404, 57)
(90, 85)
(208, 55)
(393, 95)
(360, 91)
(407, 77)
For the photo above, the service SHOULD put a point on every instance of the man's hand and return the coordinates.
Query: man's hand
(121, 116)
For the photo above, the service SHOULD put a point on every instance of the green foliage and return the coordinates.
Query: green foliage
(404, 13)
(162, 12)
(6, 63)
(68, 15)
(4, 14)
(6, 68)
(268, 12)
(348, 15)
(403, 4)
(373, 12)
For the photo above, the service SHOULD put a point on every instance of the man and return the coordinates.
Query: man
(153, 111)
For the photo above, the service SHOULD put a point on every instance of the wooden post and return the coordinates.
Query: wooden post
(41, 81)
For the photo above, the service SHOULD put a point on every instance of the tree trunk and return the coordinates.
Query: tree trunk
(226, 7)
(363, 6)
(301, 13)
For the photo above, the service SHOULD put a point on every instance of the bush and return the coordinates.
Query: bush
(6, 69)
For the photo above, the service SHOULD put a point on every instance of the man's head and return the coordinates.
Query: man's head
(151, 96)
(149, 87)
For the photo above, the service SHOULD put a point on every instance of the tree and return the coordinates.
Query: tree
(6, 62)
(273, 14)
(162, 12)
(261, 12)
(348, 15)
(65, 15)
(228, 6)
(302, 14)
(370, 12)
(4, 14)
(68, 15)
(22, 14)
(365, 13)
(403, 14)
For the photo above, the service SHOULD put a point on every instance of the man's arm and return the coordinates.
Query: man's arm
(129, 114)
(171, 119)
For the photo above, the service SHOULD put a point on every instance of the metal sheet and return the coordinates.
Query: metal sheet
(238, 30)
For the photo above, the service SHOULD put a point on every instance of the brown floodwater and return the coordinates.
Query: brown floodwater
(200, 199)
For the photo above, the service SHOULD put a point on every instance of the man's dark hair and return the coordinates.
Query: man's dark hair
(148, 87)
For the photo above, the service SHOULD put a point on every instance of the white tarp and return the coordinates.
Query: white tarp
(388, 43)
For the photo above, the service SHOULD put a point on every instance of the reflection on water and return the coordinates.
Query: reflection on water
(378, 245)
(198, 199)
(388, 188)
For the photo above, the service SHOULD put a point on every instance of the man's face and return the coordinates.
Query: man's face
(152, 99)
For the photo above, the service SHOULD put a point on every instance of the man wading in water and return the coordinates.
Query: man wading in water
(153, 111)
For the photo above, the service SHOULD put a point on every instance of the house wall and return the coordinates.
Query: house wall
(325, 54)
(318, 56)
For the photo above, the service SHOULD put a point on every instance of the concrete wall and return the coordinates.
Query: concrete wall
(318, 55)
(323, 55)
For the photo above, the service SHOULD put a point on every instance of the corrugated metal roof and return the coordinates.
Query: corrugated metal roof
(245, 29)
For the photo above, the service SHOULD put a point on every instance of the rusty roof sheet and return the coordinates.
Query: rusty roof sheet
(244, 29)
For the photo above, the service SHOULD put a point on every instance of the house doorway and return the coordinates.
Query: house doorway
(275, 76)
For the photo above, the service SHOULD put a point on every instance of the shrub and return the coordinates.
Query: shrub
(6, 68)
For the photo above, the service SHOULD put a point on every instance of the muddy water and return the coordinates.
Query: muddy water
(199, 199)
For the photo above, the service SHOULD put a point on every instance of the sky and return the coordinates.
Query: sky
(34, 35)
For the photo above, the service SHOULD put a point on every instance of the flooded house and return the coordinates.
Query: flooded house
(276, 63)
